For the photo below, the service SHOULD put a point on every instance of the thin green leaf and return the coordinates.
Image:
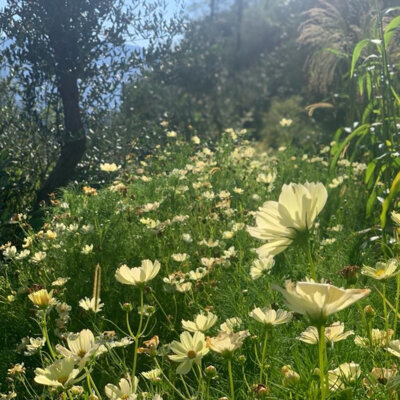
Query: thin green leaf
(356, 54)
(394, 190)
(391, 29)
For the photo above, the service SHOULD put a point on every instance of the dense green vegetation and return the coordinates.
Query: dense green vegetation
(189, 219)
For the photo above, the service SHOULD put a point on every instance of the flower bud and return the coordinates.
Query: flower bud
(241, 359)
(210, 371)
(260, 390)
(127, 307)
(369, 311)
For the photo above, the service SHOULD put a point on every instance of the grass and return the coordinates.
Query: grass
(191, 183)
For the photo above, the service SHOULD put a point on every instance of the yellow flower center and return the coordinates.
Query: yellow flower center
(125, 396)
(381, 272)
(191, 354)
(81, 353)
(62, 379)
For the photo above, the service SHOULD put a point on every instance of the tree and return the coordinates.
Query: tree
(79, 48)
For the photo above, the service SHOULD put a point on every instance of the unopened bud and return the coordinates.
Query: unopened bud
(127, 307)
(241, 359)
(260, 390)
(210, 371)
(369, 311)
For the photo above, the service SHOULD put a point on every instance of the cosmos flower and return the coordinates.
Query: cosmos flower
(382, 270)
(319, 300)
(62, 373)
(270, 317)
(344, 374)
(261, 266)
(279, 222)
(226, 343)
(201, 322)
(41, 298)
(126, 389)
(92, 304)
(107, 167)
(334, 333)
(190, 350)
(137, 275)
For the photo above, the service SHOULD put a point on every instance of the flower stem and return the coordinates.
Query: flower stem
(321, 356)
(168, 381)
(263, 354)
(311, 261)
(138, 333)
(231, 379)
(46, 336)
(397, 305)
(385, 314)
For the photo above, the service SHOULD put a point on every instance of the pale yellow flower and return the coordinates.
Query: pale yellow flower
(81, 347)
(231, 324)
(278, 222)
(270, 317)
(91, 304)
(137, 275)
(107, 167)
(201, 322)
(226, 343)
(382, 270)
(41, 298)
(285, 122)
(346, 373)
(378, 378)
(153, 375)
(334, 333)
(126, 389)
(190, 350)
(380, 338)
(62, 373)
(395, 217)
(394, 348)
(261, 266)
(319, 300)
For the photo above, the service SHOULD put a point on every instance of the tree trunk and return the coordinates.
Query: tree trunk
(73, 145)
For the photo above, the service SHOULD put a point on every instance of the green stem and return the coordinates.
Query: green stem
(321, 353)
(186, 388)
(397, 305)
(311, 261)
(92, 384)
(139, 332)
(385, 314)
(46, 336)
(263, 354)
(168, 381)
(231, 379)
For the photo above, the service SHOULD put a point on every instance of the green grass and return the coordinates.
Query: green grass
(118, 235)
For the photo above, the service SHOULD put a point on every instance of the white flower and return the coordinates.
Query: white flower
(226, 343)
(198, 274)
(231, 324)
(179, 257)
(285, 122)
(92, 304)
(187, 237)
(278, 223)
(60, 282)
(153, 375)
(333, 334)
(87, 249)
(38, 257)
(10, 252)
(269, 317)
(126, 389)
(137, 275)
(201, 323)
(344, 374)
(107, 167)
(379, 338)
(382, 270)
(172, 134)
(23, 254)
(395, 217)
(59, 374)
(34, 345)
(319, 300)
(261, 266)
(81, 347)
(394, 347)
(190, 349)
